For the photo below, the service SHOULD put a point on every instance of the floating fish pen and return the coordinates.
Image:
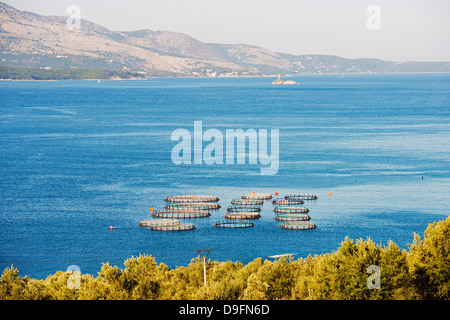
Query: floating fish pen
(298, 225)
(148, 223)
(290, 209)
(301, 196)
(257, 196)
(240, 208)
(166, 225)
(237, 210)
(181, 214)
(242, 215)
(247, 201)
(292, 217)
(191, 199)
(287, 202)
(234, 224)
(193, 205)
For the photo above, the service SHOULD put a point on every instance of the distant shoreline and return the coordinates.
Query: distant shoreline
(54, 80)
(206, 77)
(32, 74)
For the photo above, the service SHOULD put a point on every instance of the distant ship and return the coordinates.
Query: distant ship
(281, 81)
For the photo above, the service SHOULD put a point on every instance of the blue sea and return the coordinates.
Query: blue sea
(80, 156)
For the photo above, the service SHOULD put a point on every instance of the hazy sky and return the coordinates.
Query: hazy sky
(409, 30)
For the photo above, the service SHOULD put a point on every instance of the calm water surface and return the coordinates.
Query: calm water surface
(79, 156)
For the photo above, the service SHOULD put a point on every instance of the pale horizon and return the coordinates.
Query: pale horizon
(408, 30)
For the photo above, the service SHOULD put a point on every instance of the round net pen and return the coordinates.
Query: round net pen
(234, 224)
(181, 214)
(178, 227)
(193, 205)
(298, 225)
(166, 225)
(287, 202)
(292, 217)
(247, 201)
(242, 215)
(191, 198)
(257, 196)
(301, 196)
(243, 208)
(148, 223)
(290, 209)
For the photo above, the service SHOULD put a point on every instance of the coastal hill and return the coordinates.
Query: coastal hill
(35, 41)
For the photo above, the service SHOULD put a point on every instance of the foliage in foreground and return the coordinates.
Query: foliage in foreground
(422, 272)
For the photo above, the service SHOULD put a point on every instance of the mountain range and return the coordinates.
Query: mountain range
(34, 41)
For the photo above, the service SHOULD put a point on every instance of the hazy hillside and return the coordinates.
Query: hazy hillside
(31, 40)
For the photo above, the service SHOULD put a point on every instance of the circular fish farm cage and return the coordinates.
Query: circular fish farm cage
(191, 198)
(148, 223)
(292, 217)
(234, 224)
(257, 196)
(181, 214)
(247, 201)
(301, 196)
(242, 215)
(193, 205)
(287, 202)
(298, 225)
(241, 208)
(290, 209)
(166, 225)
